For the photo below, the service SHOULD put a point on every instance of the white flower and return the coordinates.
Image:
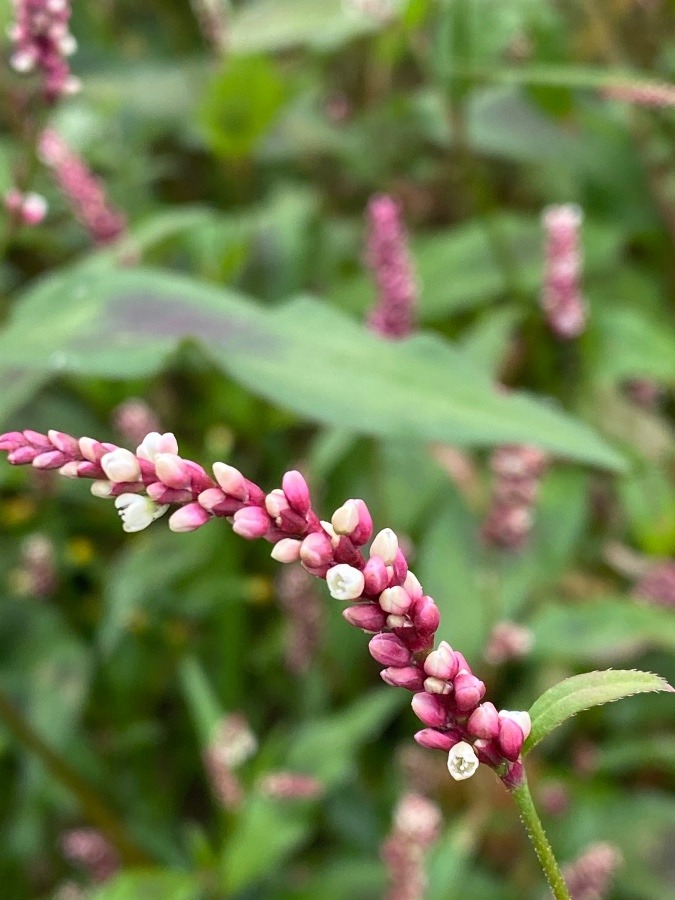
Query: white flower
(345, 582)
(385, 545)
(462, 761)
(346, 518)
(521, 718)
(102, 489)
(155, 443)
(138, 511)
(121, 465)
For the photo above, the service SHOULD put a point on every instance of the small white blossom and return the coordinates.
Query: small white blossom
(138, 511)
(155, 443)
(385, 545)
(102, 489)
(462, 761)
(345, 582)
(346, 518)
(120, 465)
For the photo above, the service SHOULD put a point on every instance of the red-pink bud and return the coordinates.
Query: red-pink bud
(389, 650)
(52, 459)
(409, 677)
(426, 617)
(437, 740)
(395, 600)
(37, 439)
(469, 691)
(211, 497)
(366, 616)
(484, 721)
(376, 575)
(364, 530)
(188, 518)
(316, 550)
(400, 567)
(251, 522)
(11, 440)
(23, 455)
(64, 442)
(172, 471)
(487, 752)
(441, 663)
(510, 738)
(231, 480)
(430, 709)
(461, 662)
(297, 492)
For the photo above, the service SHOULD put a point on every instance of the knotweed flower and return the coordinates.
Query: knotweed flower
(134, 419)
(82, 189)
(517, 472)
(388, 258)
(42, 43)
(561, 297)
(416, 828)
(508, 641)
(303, 611)
(659, 94)
(385, 598)
(231, 744)
(290, 786)
(589, 877)
(89, 849)
(28, 209)
(657, 585)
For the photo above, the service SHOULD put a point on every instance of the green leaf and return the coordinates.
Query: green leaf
(603, 630)
(150, 885)
(304, 356)
(634, 345)
(580, 692)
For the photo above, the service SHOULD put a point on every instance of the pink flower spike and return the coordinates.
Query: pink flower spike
(231, 480)
(389, 650)
(409, 677)
(251, 523)
(426, 616)
(395, 600)
(316, 550)
(375, 575)
(368, 617)
(188, 518)
(172, 471)
(436, 740)
(484, 722)
(441, 663)
(287, 550)
(511, 738)
(469, 691)
(364, 530)
(297, 492)
(430, 709)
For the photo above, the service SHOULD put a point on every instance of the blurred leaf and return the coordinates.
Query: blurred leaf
(240, 105)
(633, 345)
(125, 324)
(632, 754)
(601, 630)
(488, 340)
(580, 692)
(200, 697)
(150, 885)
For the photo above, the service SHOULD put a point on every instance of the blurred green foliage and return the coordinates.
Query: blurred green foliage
(234, 307)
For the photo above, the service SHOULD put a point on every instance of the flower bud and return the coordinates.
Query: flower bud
(395, 600)
(251, 522)
(376, 575)
(22, 455)
(521, 718)
(211, 497)
(469, 691)
(436, 740)
(297, 492)
(101, 489)
(172, 471)
(70, 470)
(409, 677)
(510, 739)
(364, 529)
(64, 442)
(188, 518)
(426, 616)
(345, 519)
(154, 443)
(52, 459)
(91, 450)
(430, 709)
(484, 722)
(121, 465)
(137, 511)
(287, 550)
(316, 550)
(231, 480)
(34, 208)
(276, 502)
(389, 650)
(385, 544)
(440, 663)
(462, 761)
(368, 617)
(345, 582)
(400, 567)
(412, 586)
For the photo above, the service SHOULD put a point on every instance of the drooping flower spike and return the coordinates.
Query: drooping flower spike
(42, 43)
(385, 598)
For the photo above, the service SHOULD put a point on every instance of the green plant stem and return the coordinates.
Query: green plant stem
(96, 810)
(535, 831)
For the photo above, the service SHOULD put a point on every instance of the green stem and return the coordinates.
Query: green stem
(96, 810)
(535, 831)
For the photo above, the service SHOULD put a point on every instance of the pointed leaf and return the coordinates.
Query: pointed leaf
(580, 692)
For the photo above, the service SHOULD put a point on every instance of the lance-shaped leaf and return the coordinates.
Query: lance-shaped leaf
(580, 692)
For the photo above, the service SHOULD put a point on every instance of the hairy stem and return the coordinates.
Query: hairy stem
(535, 832)
(93, 806)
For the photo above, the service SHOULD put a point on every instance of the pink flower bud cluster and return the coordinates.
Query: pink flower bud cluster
(417, 823)
(657, 585)
(82, 189)
(87, 848)
(589, 877)
(388, 258)
(508, 641)
(517, 471)
(38, 575)
(290, 786)
(561, 297)
(43, 43)
(28, 209)
(659, 94)
(133, 419)
(231, 745)
(384, 598)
